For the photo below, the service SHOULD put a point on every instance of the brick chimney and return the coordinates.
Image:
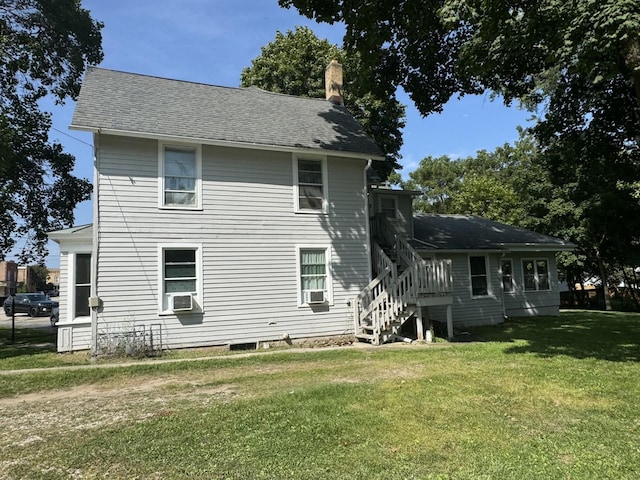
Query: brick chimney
(333, 83)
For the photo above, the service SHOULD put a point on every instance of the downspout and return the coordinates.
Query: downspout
(501, 274)
(366, 217)
(94, 246)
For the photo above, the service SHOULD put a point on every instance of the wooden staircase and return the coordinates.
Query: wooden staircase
(399, 291)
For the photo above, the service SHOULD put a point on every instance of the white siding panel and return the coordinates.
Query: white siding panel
(248, 231)
(63, 294)
(523, 303)
(468, 310)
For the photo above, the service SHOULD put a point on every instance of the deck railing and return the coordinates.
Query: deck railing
(380, 304)
(381, 261)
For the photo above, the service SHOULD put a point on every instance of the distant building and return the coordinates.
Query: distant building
(53, 277)
(8, 279)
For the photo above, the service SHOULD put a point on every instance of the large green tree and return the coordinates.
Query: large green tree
(576, 63)
(45, 46)
(294, 63)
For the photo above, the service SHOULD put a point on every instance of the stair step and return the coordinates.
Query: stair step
(365, 336)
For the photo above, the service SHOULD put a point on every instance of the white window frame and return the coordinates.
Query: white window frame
(71, 288)
(325, 184)
(486, 274)
(381, 198)
(328, 270)
(513, 280)
(161, 178)
(163, 297)
(536, 280)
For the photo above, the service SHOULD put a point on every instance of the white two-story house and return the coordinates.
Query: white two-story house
(221, 215)
(236, 216)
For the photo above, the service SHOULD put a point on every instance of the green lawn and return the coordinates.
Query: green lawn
(546, 398)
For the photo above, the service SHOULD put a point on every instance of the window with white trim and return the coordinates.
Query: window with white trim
(479, 277)
(536, 274)
(506, 270)
(180, 176)
(181, 275)
(310, 184)
(314, 275)
(81, 285)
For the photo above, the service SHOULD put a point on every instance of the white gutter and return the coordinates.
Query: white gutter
(538, 247)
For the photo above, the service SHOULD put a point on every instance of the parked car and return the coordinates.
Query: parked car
(35, 304)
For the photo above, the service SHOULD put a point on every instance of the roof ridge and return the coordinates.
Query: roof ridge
(192, 82)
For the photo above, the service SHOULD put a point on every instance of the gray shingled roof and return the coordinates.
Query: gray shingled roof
(140, 104)
(468, 232)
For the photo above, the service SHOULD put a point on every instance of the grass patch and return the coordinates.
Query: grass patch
(517, 404)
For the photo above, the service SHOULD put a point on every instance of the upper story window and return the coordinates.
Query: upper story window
(180, 177)
(389, 207)
(506, 269)
(536, 274)
(479, 277)
(310, 184)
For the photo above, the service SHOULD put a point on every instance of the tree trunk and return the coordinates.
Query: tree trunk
(631, 287)
(604, 278)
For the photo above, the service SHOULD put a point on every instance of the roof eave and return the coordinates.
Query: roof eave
(226, 143)
(539, 247)
(503, 248)
(79, 234)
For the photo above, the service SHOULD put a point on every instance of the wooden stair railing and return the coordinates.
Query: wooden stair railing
(390, 299)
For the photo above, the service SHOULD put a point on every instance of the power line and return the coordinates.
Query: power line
(71, 136)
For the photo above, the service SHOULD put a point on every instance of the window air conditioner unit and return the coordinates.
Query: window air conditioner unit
(314, 296)
(181, 303)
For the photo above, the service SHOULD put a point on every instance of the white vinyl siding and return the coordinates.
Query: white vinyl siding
(74, 332)
(523, 302)
(310, 184)
(180, 176)
(469, 310)
(248, 231)
(77, 287)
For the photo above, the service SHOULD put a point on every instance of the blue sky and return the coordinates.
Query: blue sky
(211, 41)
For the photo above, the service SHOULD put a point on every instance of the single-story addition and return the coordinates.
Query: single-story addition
(498, 270)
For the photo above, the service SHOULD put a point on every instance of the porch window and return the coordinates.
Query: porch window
(310, 185)
(479, 281)
(536, 274)
(82, 285)
(506, 269)
(180, 176)
(314, 277)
